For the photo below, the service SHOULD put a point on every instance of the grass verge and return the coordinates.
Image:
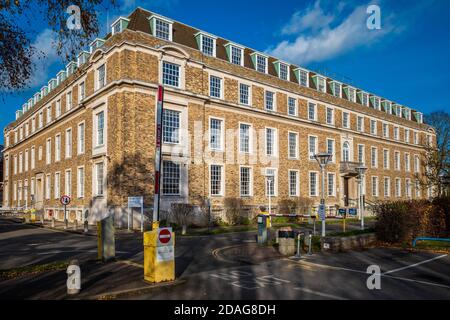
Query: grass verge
(32, 269)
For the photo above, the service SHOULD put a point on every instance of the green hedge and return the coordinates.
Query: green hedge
(403, 221)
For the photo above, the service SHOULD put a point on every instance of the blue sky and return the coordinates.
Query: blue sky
(407, 61)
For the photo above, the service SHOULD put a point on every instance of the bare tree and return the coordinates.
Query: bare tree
(16, 52)
(181, 214)
(436, 162)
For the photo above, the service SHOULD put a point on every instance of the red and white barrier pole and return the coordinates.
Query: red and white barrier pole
(158, 156)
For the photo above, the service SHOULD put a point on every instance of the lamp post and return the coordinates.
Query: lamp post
(323, 159)
(361, 169)
(270, 178)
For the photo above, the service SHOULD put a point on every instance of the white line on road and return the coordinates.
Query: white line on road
(321, 294)
(364, 272)
(416, 264)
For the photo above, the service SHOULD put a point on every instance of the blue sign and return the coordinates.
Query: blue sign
(352, 211)
(322, 212)
(342, 211)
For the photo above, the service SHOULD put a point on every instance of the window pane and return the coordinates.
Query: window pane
(171, 126)
(245, 181)
(216, 134)
(171, 178)
(171, 74)
(162, 29)
(215, 87)
(216, 180)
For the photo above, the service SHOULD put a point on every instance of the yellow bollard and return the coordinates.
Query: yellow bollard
(159, 255)
(99, 241)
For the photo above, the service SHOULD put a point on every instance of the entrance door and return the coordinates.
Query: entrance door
(39, 202)
(346, 192)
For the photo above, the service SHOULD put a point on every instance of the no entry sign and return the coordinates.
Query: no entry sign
(164, 235)
(65, 200)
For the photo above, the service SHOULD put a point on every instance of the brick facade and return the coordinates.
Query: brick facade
(128, 99)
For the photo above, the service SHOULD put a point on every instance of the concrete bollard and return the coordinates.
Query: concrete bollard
(42, 219)
(75, 225)
(73, 278)
(66, 224)
(86, 226)
(53, 223)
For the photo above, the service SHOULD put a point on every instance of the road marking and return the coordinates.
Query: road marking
(321, 294)
(247, 280)
(71, 251)
(131, 263)
(364, 272)
(416, 264)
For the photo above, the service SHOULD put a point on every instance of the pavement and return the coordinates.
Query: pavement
(226, 266)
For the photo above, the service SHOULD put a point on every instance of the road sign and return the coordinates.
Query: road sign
(135, 202)
(65, 200)
(164, 235)
(322, 212)
(352, 211)
(342, 211)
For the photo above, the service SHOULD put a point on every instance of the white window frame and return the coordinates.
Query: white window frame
(315, 192)
(296, 156)
(221, 146)
(222, 180)
(250, 182)
(275, 142)
(297, 183)
(81, 144)
(316, 147)
(81, 186)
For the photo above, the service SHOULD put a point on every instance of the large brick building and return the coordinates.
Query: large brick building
(233, 115)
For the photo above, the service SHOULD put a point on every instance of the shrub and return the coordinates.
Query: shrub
(181, 213)
(287, 206)
(403, 221)
(233, 207)
(304, 205)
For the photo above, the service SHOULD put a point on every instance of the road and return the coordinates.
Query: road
(231, 266)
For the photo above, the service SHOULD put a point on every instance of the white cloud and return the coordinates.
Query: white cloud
(322, 39)
(44, 57)
(313, 19)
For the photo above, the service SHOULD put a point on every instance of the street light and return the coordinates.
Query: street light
(270, 183)
(323, 159)
(361, 169)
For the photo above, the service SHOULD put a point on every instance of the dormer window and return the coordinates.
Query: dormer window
(397, 110)
(419, 117)
(60, 77)
(206, 43)
(407, 113)
(18, 115)
(119, 25)
(71, 67)
(30, 103)
(302, 77)
(350, 93)
(97, 43)
(52, 84)
(37, 97)
(387, 106)
(161, 27)
(260, 62)
(336, 88)
(44, 91)
(82, 58)
(235, 54)
(282, 70)
(320, 83)
(364, 98)
(375, 102)
(24, 108)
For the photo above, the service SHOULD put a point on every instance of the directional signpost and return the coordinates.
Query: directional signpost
(65, 200)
